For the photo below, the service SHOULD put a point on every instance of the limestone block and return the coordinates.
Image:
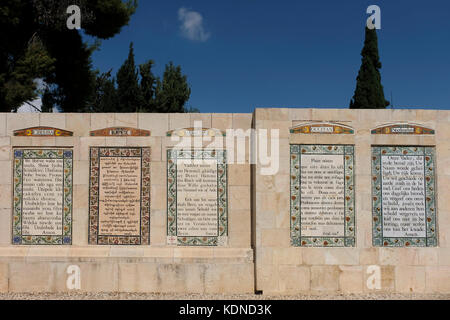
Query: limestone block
(115, 141)
(179, 121)
(21, 142)
(81, 196)
(287, 256)
(242, 121)
(158, 235)
(218, 280)
(428, 256)
(437, 279)
(89, 252)
(275, 238)
(30, 277)
(86, 143)
(158, 197)
(81, 173)
(138, 277)
(99, 277)
(387, 281)
(444, 256)
(17, 121)
(126, 120)
(80, 226)
(325, 278)
(275, 114)
(294, 279)
(6, 176)
(5, 196)
(410, 279)
(157, 123)
(203, 120)
(5, 227)
(5, 148)
(55, 120)
(368, 256)
(43, 141)
(341, 256)
(300, 114)
(222, 121)
(192, 252)
(4, 274)
(239, 221)
(3, 125)
(239, 175)
(102, 121)
(126, 251)
(239, 197)
(351, 279)
(78, 123)
(314, 256)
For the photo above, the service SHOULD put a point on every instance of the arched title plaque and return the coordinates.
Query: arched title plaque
(196, 132)
(322, 128)
(42, 132)
(402, 128)
(120, 132)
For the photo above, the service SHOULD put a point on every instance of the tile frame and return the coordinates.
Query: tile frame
(349, 238)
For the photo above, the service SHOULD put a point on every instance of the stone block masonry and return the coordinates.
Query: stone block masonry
(327, 201)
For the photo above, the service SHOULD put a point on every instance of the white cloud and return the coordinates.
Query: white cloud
(192, 25)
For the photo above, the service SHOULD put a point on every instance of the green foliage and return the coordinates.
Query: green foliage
(36, 44)
(148, 86)
(129, 94)
(139, 90)
(173, 92)
(369, 91)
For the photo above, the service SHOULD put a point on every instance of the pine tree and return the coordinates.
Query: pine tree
(105, 97)
(173, 92)
(129, 95)
(369, 91)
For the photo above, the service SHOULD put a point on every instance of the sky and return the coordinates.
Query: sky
(243, 54)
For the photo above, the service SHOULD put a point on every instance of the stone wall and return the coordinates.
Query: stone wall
(259, 252)
(154, 268)
(283, 268)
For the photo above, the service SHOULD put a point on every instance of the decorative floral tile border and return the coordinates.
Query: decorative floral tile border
(430, 191)
(222, 197)
(97, 153)
(66, 212)
(347, 153)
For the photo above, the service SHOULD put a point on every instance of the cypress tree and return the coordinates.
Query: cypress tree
(129, 93)
(148, 86)
(369, 91)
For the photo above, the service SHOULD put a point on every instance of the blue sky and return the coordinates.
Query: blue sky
(242, 54)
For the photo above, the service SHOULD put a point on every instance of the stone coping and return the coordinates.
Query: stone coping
(126, 252)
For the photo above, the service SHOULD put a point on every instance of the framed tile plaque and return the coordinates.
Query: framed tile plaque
(197, 198)
(403, 196)
(42, 196)
(119, 196)
(322, 196)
